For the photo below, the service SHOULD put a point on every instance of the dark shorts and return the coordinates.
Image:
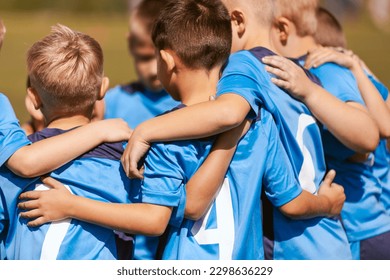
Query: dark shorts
(376, 248)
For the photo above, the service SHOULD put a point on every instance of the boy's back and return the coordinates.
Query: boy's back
(234, 218)
(97, 175)
(301, 139)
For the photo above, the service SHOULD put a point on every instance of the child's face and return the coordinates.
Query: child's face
(143, 52)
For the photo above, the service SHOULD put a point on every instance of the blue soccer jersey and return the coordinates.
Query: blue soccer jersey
(136, 104)
(381, 166)
(96, 175)
(232, 228)
(320, 238)
(363, 215)
(12, 137)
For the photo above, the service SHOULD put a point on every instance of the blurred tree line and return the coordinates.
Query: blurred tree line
(78, 6)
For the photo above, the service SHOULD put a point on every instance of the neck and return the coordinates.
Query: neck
(197, 86)
(66, 123)
(259, 38)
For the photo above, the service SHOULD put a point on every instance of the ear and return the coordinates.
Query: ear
(103, 88)
(34, 97)
(168, 59)
(239, 22)
(283, 27)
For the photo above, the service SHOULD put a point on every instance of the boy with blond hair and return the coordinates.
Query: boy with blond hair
(364, 216)
(66, 73)
(26, 159)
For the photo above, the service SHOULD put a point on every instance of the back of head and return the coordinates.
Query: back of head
(329, 30)
(66, 68)
(301, 12)
(198, 31)
(2, 32)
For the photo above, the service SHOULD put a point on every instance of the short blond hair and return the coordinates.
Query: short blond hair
(301, 12)
(2, 32)
(66, 68)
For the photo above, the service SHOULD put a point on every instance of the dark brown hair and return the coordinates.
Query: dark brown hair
(329, 30)
(198, 31)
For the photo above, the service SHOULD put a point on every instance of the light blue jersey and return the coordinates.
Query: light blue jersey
(12, 138)
(96, 175)
(320, 238)
(363, 215)
(136, 104)
(232, 228)
(381, 166)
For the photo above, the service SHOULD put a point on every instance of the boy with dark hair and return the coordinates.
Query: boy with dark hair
(66, 73)
(364, 216)
(245, 86)
(230, 226)
(144, 99)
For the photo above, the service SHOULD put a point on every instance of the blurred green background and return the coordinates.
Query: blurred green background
(107, 21)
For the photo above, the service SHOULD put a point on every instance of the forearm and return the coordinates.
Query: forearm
(196, 121)
(138, 218)
(306, 206)
(373, 100)
(362, 134)
(204, 185)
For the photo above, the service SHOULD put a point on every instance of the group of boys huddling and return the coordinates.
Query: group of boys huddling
(263, 157)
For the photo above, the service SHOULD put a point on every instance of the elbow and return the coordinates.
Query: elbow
(193, 213)
(228, 118)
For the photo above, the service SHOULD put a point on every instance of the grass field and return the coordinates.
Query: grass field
(110, 29)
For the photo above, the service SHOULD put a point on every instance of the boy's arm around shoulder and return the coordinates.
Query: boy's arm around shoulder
(58, 204)
(192, 122)
(362, 134)
(44, 156)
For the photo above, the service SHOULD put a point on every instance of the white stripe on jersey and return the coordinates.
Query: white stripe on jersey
(55, 234)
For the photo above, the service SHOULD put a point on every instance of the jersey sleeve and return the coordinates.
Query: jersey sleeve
(279, 181)
(383, 90)
(339, 81)
(242, 77)
(12, 136)
(163, 182)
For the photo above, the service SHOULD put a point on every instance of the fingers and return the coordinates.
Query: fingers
(28, 205)
(37, 222)
(31, 195)
(32, 214)
(53, 183)
(329, 177)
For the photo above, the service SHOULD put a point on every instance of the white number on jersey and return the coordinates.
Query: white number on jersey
(223, 234)
(307, 173)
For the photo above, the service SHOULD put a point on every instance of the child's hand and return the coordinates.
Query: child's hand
(289, 76)
(339, 56)
(112, 130)
(133, 155)
(46, 206)
(333, 192)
